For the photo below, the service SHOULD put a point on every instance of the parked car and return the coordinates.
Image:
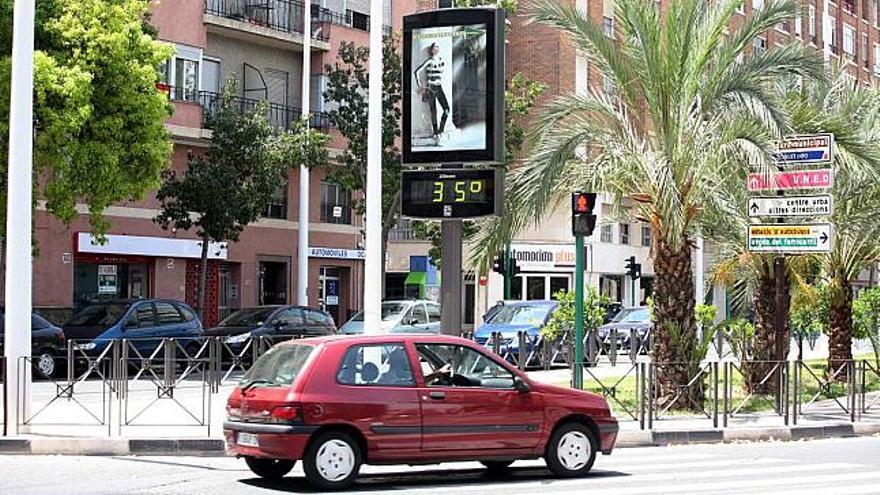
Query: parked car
(144, 322)
(514, 317)
(281, 322)
(48, 347)
(636, 318)
(404, 316)
(325, 401)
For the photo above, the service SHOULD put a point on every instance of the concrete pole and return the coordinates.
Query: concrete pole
(19, 254)
(302, 258)
(699, 275)
(373, 263)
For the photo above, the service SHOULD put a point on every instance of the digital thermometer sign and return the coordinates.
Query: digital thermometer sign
(449, 193)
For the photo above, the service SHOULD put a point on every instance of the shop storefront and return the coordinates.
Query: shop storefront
(337, 272)
(545, 269)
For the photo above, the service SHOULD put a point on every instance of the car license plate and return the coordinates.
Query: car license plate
(247, 439)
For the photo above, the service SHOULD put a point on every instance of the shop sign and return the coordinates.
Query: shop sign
(337, 253)
(133, 245)
(107, 279)
(544, 257)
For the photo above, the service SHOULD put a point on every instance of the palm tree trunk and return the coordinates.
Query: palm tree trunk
(840, 340)
(203, 276)
(759, 365)
(675, 328)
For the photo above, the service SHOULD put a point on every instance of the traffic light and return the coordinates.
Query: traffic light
(498, 263)
(633, 269)
(583, 222)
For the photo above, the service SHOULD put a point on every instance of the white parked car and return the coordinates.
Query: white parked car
(405, 316)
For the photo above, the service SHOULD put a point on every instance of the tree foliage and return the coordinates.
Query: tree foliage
(348, 81)
(98, 117)
(563, 316)
(229, 186)
(866, 319)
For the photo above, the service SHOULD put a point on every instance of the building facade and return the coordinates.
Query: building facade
(257, 46)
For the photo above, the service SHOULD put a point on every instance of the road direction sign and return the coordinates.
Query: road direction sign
(782, 238)
(805, 149)
(791, 206)
(796, 179)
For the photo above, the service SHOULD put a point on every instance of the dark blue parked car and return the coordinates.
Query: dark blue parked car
(514, 317)
(145, 322)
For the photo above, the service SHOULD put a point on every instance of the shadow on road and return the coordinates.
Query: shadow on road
(426, 479)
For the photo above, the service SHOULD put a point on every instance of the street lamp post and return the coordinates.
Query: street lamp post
(374, 260)
(19, 254)
(302, 258)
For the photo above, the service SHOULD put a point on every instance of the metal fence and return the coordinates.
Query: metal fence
(120, 386)
(280, 117)
(285, 16)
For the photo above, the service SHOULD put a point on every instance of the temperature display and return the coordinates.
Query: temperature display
(448, 193)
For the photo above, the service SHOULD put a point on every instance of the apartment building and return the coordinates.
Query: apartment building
(258, 45)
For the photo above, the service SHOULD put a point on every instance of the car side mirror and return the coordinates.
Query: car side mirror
(130, 323)
(521, 386)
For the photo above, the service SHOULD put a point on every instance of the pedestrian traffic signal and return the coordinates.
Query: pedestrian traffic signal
(583, 222)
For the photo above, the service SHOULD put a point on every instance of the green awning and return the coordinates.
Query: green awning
(416, 278)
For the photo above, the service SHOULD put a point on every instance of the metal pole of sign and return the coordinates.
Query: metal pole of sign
(302, 257)
(450, 273)
(578, 370)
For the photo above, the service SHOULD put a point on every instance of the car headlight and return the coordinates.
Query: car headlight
(85, 347)
(238, 339)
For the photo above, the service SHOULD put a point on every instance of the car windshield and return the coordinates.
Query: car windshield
(390, 311)
(633, 315)
(522, 314)
(99, 315)
(278, 366)
(247, 317)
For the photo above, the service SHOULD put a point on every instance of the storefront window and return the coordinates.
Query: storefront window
(109, 279)
(557, 284)
(535, 288)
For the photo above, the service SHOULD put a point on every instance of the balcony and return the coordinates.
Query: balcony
(274, 18)
(281, 117)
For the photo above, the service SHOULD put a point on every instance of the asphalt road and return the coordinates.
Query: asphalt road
(821, 467)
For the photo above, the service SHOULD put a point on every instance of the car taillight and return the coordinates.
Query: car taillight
(287, 414)
(233, 409)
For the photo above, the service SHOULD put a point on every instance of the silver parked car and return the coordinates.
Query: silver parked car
(406, 316)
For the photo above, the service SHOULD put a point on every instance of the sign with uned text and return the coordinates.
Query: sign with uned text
(804, 149)
(782, 238)
(791, 206)
(800, 179)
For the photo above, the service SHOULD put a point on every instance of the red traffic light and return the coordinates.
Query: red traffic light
(582, 202)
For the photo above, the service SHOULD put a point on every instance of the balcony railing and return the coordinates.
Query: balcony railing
(281, 117)
(280, 15)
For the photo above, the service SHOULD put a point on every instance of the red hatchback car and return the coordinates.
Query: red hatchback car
(338, 402)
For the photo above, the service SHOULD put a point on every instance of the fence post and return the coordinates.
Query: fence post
(496, 343)
(785, 390)
(727, 393)
(640, 392)
(650, 396)
(715, 395)
(797, 392)
(851, 372)
(523, 355)
(864, 388)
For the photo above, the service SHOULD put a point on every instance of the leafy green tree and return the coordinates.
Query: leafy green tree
(684, 110)
(98, 117)
(348, 82)
(228, 188)
(562, 319)
(866, 319)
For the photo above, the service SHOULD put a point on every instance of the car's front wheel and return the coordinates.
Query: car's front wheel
(332, 461)
(571, 450)
(271, 469)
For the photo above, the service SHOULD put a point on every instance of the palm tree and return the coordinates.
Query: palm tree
(827, 104)
(684, 103)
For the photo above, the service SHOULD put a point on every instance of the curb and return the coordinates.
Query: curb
(628, 439)
(209, 447)
(114, 446)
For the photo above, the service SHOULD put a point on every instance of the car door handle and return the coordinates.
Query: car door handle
(437, 395)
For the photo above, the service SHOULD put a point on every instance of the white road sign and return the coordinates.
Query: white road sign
(791, 206)
(782, 238)
(805, 149)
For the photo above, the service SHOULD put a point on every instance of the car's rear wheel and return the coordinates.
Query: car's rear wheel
(496, 467)
(45, 364)
(271, 469)
(571, 450)
(332, 461)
